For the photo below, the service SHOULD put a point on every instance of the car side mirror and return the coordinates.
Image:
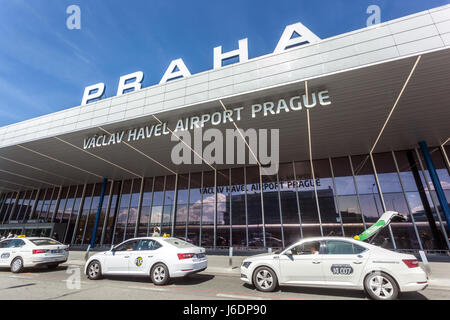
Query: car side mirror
(288, 253)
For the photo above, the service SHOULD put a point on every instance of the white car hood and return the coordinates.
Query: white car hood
(263, 256)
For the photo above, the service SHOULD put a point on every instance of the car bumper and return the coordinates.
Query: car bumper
(35, 261)
(246, 275)
(413, 281)
(414, 287)
(189, 267)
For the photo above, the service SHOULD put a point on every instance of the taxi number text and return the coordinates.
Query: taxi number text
(341, 269)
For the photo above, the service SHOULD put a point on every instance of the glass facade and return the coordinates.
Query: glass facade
(239, 207)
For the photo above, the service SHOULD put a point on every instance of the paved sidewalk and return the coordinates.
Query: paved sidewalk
(220, 265)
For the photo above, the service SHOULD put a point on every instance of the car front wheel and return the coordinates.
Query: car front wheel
(381, 286)
(160, 274)
(94, 270)
(265, 279)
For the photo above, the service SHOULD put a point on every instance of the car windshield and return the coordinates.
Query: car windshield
(45, 242)
(178, 243)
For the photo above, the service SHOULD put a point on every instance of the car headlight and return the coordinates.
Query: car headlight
(246, 264)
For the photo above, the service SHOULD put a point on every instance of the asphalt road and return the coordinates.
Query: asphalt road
(59, 284)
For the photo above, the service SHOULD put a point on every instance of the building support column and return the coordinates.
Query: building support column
(99, 211)
(80, 212)
(36, 199)
(174, 207)
(246, 210)
(138, 218)
(201, 214)
(188, 208)
(447, 161)
(230, 195)
(215, 208)
(151, 207)
(58, 200)
(350, 161)
(70, 214)
(262, 206)
(281, 210)
(380, 193)
(298, 200)
(108, 208)
(116, 211)
(406, 200)
(436, 182)
(13, 207)
(336, 198)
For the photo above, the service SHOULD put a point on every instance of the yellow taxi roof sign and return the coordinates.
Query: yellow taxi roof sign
(22, 236)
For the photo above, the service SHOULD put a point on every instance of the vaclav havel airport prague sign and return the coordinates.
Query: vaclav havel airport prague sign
(265, 109)
(294, 35)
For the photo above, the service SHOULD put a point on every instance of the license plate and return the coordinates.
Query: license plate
(56, 251)
(200, 255)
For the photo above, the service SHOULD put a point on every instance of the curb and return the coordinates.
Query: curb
(440, 284)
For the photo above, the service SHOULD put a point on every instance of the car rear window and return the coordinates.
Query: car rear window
(178, 243)
(45, 242)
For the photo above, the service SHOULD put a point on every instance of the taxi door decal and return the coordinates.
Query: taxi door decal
(139, 261)
(5, 255)
(341, 269)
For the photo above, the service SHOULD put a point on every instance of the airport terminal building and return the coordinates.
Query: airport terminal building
(363, 122)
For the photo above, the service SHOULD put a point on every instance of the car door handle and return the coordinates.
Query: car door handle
(126, 256)
(316, 262)
(150, 256)
(357, 262)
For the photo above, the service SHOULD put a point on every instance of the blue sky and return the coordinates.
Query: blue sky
(44, 66)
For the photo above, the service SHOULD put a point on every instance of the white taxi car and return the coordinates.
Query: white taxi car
(336, 262)
(20, 253)
(158, 257)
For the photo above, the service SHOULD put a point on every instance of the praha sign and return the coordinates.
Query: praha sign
(293, 36)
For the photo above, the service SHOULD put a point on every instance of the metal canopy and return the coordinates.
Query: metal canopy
(361, 101)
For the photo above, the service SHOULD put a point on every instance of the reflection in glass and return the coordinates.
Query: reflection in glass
(182, 207)
(254, 210)
(145, 209)
(223, 231)
(238, 212)
(347, 199)
(195, 209)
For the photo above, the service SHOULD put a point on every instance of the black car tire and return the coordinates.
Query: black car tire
(160, 274)
(265, 279)
(17, 265)
(381, 286)
(94, 270)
